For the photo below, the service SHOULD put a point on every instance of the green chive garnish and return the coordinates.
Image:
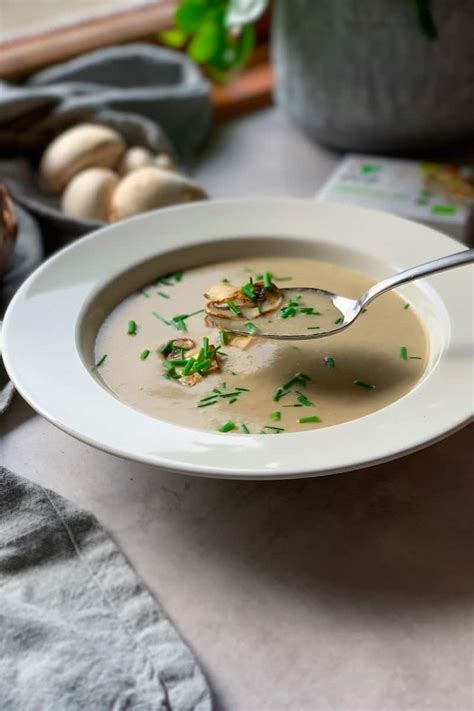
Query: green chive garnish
(311, 418)
(132, 328)
(100, 361)
(407, 306)
(364, 385)
(267, 280)
(163, 295)
(276, 415)
(167, 348)
(233, 307)
(179, 324)
(275, 429)
(313, 328)
(144, 354)
(145, 294)
(227, 426)
(251, 327)
(206, 404)
(177, 276)
(245, 429)
(222, 337)
(248, 290)
(189, 366)
(279, 394)
(303, 400)
(330, 362)
(415, 358)
(338, 321)
(205, 345)
(232, 400)
(160, 318)
(403, 353)
(241, 390)
(298, 379)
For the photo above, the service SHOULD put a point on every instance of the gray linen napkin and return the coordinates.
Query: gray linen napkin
(77, 628)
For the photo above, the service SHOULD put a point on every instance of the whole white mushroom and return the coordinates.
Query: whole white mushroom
(82, 146)
(149, 188)
(87, 195)
(134, 158)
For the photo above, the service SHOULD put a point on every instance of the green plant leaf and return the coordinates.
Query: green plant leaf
(175, 38)
(207, 41)
(190, 14)
(241, 12)
(245, 46)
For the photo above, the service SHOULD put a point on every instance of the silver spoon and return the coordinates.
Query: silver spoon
(350, 309)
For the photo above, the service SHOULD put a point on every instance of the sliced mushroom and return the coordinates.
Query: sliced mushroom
(267, 301)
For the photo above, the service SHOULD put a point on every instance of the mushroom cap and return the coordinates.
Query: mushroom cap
(82, 146)
(149, 188)
(87, 195)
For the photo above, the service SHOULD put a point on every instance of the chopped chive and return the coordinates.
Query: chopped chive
(245, 429)
(279, 394)
(209, 397)
(160, 318)
(168, 365)
(226, 395)
(309, 311)
(206, 404)
(403, 353)
(203, 365)
(259, 307)
(287, 311)
(275, 429)
(179, 324)
(132, 328)
(177, 276)
(233, 307)
(194, 313)
(295, 405)
(232, 372)
(145, 294)
(222, 337)
(242, 390)
(163, 295)
(227, 426)
(267, 280)
(415, 358)
(330, 362)
(313, 328)
(251, 327)
(189, 366)
(205, 345)
(303, 400)
(407, 306)
(276, 415)
(232, 400)
(364, 385)
(299, 379)
(165, 281)
(180, 361)
(167, 348)
(311, 418)
(101, 361)
(248, 290)
(144, 354)
(225, 281)
(338, 321)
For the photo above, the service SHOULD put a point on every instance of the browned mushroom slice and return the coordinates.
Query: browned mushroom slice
(177, 347)
(190, 380)
(249, 309)
(242, 342)
(221, 292)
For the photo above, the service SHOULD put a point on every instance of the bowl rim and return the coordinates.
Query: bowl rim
(440, 404)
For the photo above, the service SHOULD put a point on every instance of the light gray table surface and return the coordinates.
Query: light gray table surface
(350, 592)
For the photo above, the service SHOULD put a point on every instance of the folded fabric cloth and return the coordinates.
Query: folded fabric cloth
(156, 83)
(78, 630)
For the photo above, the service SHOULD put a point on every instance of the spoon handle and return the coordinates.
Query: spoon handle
(437, 265)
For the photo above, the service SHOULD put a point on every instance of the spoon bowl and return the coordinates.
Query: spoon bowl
(338, 312)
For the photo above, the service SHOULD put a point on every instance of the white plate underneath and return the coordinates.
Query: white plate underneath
(51, 323)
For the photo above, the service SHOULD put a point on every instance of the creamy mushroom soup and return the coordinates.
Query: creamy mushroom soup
(157, 353)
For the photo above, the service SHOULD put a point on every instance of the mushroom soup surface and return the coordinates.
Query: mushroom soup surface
(157, 353)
